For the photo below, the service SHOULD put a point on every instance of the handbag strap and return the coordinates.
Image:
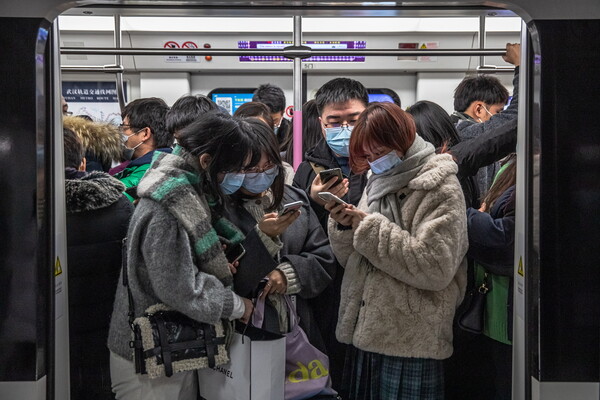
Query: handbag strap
(136, 343)
(165, 346)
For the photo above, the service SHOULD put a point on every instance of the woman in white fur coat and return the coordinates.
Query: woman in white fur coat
(403, 249)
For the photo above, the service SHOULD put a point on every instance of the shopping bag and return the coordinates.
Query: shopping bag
(255, 370)
(306, 368)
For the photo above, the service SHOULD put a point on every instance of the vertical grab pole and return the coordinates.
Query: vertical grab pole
(119, 75)
(297, 118)
(482, 38)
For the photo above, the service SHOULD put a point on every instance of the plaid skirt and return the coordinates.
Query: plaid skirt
(372, 376)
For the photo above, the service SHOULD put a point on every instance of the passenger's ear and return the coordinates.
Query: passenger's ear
(205, 160)
(478, 110)
(146, 133)
(323, 128)
(83, 164)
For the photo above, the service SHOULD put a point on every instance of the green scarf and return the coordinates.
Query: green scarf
(175, 182)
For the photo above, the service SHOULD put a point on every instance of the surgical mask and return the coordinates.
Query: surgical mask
(276, 129)
(258, 182)
(232, 182)
(128, 151)
(488, 111)
(385, 163)
(338, 139)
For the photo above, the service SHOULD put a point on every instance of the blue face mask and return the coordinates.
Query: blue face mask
(276, 130)
(232, 182)
(385, 163)
(258, 182)
(338, 139)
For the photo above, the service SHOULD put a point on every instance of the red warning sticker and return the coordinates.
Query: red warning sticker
(171, 45)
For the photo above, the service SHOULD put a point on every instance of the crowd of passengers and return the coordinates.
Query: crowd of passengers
(379, 282)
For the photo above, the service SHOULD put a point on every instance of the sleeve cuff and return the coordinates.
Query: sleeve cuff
(238, 307)
(273, 245)
(293, 283)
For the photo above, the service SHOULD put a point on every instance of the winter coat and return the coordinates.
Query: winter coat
(492, 241)
(304, 248)
(405, 275)
(132, 172)
(469, 129)
(101, 141)
(97, 219)
(322, 156)
(174, 254)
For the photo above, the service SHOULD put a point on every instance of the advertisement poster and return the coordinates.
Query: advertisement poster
(97, 100)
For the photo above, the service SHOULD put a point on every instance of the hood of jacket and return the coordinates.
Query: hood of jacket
(91, 191)
(322, 155)
(100, 138)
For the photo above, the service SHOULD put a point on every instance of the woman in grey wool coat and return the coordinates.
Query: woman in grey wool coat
(174, 252)
(403, 248)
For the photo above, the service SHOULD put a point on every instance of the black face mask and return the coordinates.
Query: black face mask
(127, 153)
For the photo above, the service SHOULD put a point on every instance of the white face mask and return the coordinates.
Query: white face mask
(487, 111)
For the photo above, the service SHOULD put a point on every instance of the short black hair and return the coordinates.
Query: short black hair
(255, 109)
(434, 124)
(186, 110)
(340, 90)
(73, 147)
(270, 95)
(484, 88)
(150, 112)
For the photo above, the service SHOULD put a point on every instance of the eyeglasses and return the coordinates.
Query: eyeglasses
(124, 127)
(338, 125)
(257, 170)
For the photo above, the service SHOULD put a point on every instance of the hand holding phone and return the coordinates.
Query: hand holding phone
(327, 197)
(328, 174)
(234, 252)
(291, 207)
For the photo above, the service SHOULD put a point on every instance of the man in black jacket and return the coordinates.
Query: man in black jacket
(479, 109)
(273, 97)
(340, 102)
(97, 220)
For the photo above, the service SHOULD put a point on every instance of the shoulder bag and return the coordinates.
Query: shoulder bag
(166, 341)
(471, 320)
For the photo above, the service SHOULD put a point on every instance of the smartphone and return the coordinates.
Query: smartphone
(234, 252)
(326, 196)
(330, 173)
(291, 207)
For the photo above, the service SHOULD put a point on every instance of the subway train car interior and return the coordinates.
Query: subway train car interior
(100, 55)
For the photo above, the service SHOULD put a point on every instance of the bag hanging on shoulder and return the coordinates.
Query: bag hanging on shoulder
(166, 341)
(471, 320)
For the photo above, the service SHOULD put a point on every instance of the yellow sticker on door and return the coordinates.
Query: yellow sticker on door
(520, 270)
(57, 267)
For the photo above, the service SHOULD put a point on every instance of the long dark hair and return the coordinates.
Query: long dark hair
(434, 124)
(312, 131)
(505, 180)
(227, 141)
(263, 141)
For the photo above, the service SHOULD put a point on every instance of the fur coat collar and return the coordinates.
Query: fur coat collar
(91, 191)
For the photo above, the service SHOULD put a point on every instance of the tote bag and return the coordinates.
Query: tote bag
(306, 368)
(255, 370)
